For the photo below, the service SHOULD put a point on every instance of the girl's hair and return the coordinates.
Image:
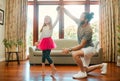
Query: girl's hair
(45, 24)
(89, 16)
(42, 27)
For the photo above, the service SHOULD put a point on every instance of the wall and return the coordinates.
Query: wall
(2, 28)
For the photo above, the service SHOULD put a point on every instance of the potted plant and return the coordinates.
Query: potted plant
(118, 37)
(18, 43)
(8, 44)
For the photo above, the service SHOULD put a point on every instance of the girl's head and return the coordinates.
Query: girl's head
(86, 17)
(47, 20)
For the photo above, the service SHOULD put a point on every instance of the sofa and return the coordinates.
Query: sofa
(35, 56)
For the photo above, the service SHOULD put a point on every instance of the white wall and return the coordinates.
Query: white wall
(2, 28)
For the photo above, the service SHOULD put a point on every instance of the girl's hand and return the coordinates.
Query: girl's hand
(58, 8)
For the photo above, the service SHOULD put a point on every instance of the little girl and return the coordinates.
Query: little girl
(46, 43)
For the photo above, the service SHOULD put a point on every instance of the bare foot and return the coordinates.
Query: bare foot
(53, 72)
(43, 74)
(53, 78)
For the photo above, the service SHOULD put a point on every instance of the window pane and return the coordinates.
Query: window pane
(30, 0)
(74, 0)
(48, 0)
(80, 0)
(43, 11)
(29, 34)
(70, 26)
(95, 21)
(94, 0)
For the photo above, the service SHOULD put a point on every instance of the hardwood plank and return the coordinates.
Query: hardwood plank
(25, 72)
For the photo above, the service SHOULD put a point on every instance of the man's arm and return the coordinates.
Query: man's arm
(81, 45)
(78, 47)
(70, 15)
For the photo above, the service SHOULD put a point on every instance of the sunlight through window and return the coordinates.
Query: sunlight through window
(29, 34)
(95, 22)
(69, 25)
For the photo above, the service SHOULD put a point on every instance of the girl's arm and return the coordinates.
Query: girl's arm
(54, 24)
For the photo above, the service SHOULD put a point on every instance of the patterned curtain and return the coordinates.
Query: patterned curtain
(109, 19)
(15, 23)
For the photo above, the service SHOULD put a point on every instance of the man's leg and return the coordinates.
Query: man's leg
(102, 67)
(82, 58)
(76, 56)
(93, 67)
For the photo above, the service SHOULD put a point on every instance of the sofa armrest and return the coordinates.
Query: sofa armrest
(100, 53)
(31, 50)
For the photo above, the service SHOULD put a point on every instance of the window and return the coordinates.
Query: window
(29, 34)
(70, 27)
(95, 21)
(30, 0)
(48, 0)
(62, 30)
(74, 0)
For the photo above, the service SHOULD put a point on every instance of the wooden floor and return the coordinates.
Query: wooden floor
(25, 72)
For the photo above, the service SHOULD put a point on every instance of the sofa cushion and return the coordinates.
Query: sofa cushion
(53, 53)
(65, 43)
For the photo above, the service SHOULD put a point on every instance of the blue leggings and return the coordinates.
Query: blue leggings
(46, 55)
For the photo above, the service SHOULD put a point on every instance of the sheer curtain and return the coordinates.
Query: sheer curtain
(15, 23)
(109, 19)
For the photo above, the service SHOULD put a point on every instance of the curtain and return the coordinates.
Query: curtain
(109, 19)
(16, 23)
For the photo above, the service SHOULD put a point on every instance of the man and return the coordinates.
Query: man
(83, 52)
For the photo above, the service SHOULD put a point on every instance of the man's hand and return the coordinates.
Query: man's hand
(65, 51)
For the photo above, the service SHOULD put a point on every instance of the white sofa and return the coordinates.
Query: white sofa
(58, 57)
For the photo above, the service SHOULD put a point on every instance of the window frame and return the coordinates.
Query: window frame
(36, 4)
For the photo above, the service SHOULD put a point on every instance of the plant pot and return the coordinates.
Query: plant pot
(16, 48)
(118, 60)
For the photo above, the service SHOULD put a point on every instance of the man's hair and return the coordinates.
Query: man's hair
(89, 16)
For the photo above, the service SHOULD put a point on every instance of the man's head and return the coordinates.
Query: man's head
(86, 17)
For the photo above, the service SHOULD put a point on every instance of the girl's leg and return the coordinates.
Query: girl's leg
(53, 69)
(51, 62)
(47, 56)
(43, 69)
(43, 62)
